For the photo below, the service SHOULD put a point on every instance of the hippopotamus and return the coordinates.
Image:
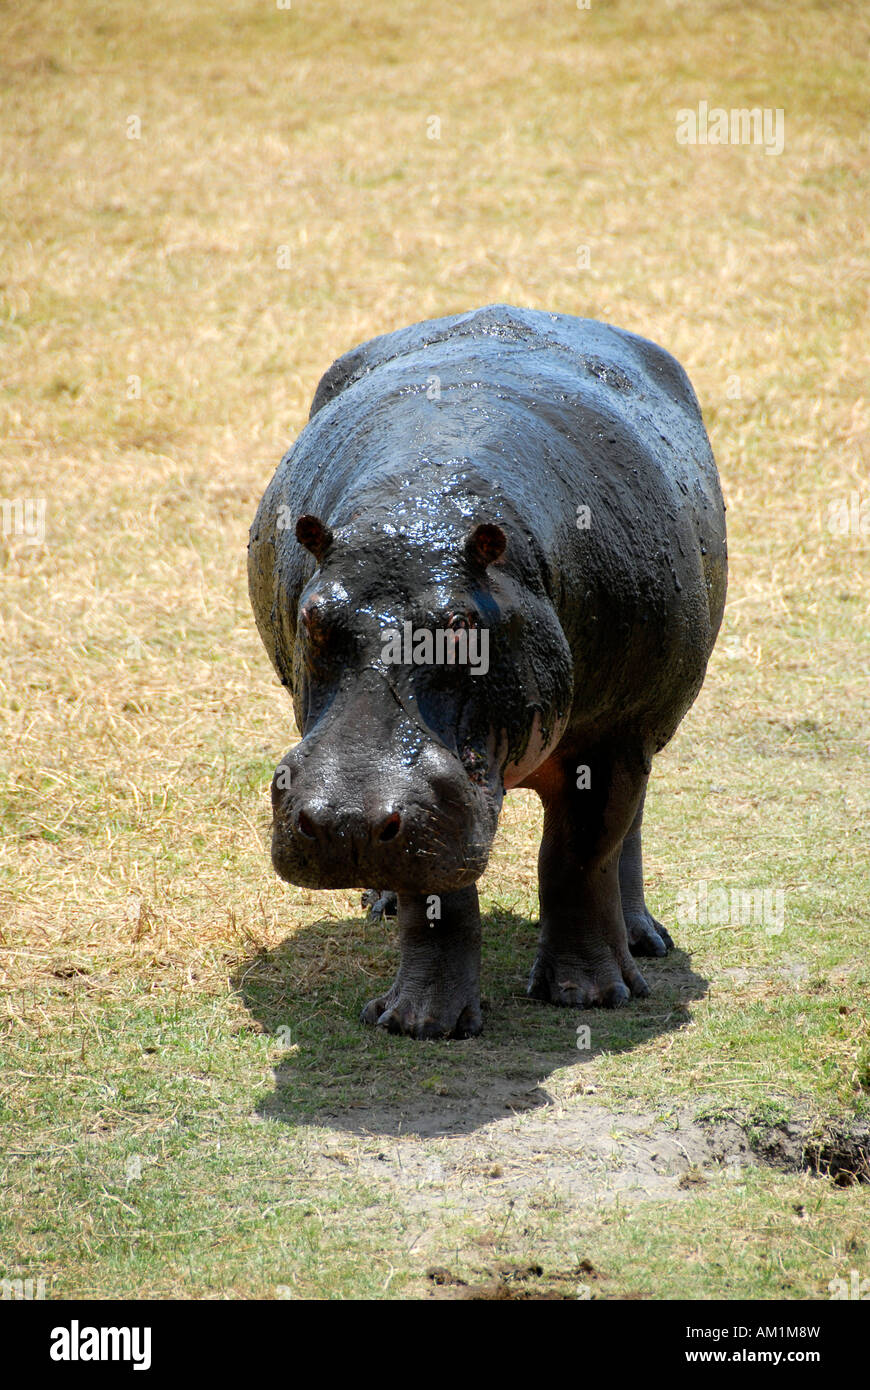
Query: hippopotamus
(494, 558)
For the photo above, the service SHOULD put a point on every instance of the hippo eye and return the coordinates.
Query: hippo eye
(313, 621)
(461, 622)
(324, 638)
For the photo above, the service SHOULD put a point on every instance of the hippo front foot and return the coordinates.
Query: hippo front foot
(436, 993)
(399, 1012)
(380, 903)
(646, 936)
(572, 983)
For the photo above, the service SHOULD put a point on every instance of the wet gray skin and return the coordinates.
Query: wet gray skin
(530, 481)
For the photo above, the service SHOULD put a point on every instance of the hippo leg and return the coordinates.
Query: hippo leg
(646, 936)
(436, 993)
(379, 903)
(583, 957)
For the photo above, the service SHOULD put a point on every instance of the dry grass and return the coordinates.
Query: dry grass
(156, 361)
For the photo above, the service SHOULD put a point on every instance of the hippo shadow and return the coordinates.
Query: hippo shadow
(332, 1070)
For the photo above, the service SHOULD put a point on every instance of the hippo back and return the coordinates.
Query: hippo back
(581, 439)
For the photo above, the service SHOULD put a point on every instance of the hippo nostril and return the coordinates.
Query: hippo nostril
(390, 828)
(305, 826)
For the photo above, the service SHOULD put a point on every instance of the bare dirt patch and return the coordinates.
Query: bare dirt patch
(583, 1154)
(576, 1155)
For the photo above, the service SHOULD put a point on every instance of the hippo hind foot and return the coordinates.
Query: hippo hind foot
(380, 903)
(646, 936)
(399, 1012)
(574, 983)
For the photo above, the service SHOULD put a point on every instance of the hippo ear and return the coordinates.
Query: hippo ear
(485, 544)
(311, 532)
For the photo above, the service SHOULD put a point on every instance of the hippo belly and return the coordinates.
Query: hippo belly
(494, 557)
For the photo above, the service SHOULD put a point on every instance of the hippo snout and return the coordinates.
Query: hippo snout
(427, 828)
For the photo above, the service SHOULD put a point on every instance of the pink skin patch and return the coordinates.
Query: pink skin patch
(537, 752)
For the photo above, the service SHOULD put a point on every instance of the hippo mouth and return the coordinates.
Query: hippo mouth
(349, 855)
(345, 817)
(414, 845)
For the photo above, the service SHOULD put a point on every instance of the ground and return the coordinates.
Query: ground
(202, 206)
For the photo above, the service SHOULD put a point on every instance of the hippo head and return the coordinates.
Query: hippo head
(426, 677)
